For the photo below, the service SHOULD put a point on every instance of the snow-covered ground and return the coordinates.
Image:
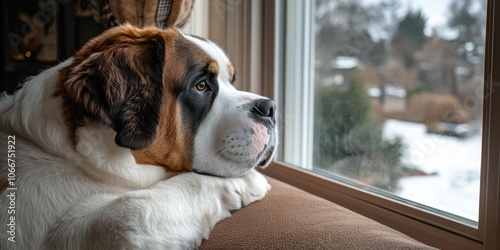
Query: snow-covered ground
(456, 163)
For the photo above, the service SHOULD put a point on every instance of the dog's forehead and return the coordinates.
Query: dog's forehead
(226, 69)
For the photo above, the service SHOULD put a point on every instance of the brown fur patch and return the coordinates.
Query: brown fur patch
(232, 72)
(115, 78)
(213, 67)
(172, 148)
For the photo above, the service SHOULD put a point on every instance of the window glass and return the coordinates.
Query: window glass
(394, 99)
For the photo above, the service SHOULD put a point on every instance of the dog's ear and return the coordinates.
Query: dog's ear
(119, 81)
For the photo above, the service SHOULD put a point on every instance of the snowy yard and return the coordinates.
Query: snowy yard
(455, 161)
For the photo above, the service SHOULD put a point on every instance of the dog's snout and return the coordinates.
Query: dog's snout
(264, 108)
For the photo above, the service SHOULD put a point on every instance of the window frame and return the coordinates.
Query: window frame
(252, 33)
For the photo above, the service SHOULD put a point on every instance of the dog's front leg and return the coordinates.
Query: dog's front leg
(174, 214)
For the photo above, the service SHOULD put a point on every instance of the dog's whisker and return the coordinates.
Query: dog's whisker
(222, 150)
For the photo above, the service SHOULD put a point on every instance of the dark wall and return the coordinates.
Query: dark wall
(37, 35)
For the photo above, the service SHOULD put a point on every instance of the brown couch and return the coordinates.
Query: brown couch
(289, 218)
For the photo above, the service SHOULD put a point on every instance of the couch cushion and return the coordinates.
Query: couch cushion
(289, 218)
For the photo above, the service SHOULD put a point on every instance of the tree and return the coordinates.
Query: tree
(466, 19)
(347, 138)
(349, 28)
(409, 37)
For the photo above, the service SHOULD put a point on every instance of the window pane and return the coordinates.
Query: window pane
(397, 97)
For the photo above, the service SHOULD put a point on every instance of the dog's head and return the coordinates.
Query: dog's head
(170, 98)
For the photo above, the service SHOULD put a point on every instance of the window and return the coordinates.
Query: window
(389, 98)
(374, 65)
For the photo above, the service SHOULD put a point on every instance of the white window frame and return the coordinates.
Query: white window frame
(236, 25)
(298, 126)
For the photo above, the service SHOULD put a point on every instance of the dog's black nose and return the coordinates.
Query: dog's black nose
(264, 108)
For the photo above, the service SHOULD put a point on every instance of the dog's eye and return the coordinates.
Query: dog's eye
(201, 86)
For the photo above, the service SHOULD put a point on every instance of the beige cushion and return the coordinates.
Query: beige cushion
(289, 218)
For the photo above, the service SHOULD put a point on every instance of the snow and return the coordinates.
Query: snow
(456, 162)
(345, 62)
(389, 90)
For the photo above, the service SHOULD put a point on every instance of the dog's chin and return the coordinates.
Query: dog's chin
(235, 167)
(223, 173)
(267, 159)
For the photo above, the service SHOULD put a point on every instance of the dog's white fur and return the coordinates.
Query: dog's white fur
(94, 195)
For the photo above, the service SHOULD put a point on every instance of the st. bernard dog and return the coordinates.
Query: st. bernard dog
(139, 141)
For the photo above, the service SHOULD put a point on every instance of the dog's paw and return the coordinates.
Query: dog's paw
(244, 190)
(257, 185)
